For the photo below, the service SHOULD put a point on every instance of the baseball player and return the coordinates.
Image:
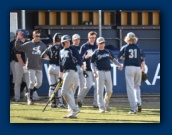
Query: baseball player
(69, 58)
(80, 77)
(33, 50)
(20, 68)
(86, 51)
(12, 63)
(134, 62)
(101, 68)
(52, 54)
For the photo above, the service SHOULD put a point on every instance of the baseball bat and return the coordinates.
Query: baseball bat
(53, 95)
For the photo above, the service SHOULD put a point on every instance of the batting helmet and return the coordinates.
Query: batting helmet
(25, 33)
(65, 38)
(57, 37)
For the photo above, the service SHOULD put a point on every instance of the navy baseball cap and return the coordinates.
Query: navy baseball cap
(25, 33)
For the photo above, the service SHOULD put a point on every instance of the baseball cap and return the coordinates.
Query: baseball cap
(76, 36)
(100, 40)
(130, 35)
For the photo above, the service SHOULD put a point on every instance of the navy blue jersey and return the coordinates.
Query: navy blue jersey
(132, 54)
(53, 54)
(102, 59)
(69, 58)
(76, 47)
(84, 51)
(21, 53)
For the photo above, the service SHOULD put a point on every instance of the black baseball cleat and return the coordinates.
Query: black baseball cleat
(95, 106)
(79, 104)
(139, 109)
(53, 106)
(107, 109)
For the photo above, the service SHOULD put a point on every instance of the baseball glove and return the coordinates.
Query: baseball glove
(144, 77)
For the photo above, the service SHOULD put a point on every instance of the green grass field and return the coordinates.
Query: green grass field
(23, 113)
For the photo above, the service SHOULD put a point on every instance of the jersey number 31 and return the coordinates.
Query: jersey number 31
(133, 53)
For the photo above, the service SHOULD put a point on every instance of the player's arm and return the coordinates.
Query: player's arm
(143, 66)
(142, 61)
(61, 66)
(112, 58)
(18, 45)
(77, 56)
(93, 67)
(114, 61)
(121, 55)
(20, 60)
(45, 55)
(83, 53)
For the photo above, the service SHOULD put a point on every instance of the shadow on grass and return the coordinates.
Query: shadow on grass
(38, 119)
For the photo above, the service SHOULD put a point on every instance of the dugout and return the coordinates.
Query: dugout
(115, 24)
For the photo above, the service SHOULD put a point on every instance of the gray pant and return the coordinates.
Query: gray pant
(133, 81)
(53, 74)
(104, 79)
(35, 78)
(69, 77)
(20, 76)
(79, 80)
(89, 83)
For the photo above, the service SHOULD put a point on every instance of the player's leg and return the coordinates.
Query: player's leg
(26, 80)
(72, 93)
(88, 82)
(81, 82)
(108, 94)
(12, 65)
(12, 71)
(52, 81)
(100, 90)
(60, 100)
(137, 83)
(95, 103)
(68, 80)
(18, 80)
(129, 76)
(38, 79)
(32, 81)
(76, 83)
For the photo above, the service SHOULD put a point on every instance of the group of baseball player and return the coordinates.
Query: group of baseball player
(80, 67)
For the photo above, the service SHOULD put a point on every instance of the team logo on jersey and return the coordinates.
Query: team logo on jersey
(90, 52)
(100, 56)
(36, 50)
(64, 53)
